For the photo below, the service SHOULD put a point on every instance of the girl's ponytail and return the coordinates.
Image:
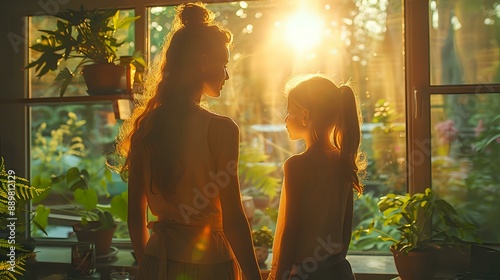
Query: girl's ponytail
(347, 134)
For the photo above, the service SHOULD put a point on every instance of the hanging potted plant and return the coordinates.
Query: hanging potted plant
(87, 35)
(425, 224)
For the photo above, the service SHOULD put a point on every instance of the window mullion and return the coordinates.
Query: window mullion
(417, 95)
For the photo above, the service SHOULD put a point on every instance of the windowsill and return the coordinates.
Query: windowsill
(51, 261)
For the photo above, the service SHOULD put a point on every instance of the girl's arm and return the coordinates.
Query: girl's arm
(224, 143)
(295, 173)
(137, 215)
(347, 227)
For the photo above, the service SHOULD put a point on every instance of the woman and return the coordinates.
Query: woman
(316, 205)
(181, 162)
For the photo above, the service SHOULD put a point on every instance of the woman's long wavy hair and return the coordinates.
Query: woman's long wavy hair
(172, 85)
(336, 109)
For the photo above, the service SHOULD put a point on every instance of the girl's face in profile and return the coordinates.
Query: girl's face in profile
(295, 121)
(215, 74)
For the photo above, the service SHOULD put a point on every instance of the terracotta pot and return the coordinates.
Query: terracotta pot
(415, 265)
(261, 253)
(248, 206)
(105, 79)
(101, 238)
(455, 259)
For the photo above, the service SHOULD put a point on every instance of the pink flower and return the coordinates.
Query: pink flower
(446, 131)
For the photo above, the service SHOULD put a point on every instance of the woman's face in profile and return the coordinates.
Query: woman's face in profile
(215, 74)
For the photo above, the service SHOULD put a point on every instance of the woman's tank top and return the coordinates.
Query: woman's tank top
(189, 227)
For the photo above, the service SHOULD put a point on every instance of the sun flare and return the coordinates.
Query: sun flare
(304, 30)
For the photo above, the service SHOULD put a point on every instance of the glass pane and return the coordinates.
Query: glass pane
(356, 41)
(74, 136)
(464, 42)
(47, 86)
(466, 156)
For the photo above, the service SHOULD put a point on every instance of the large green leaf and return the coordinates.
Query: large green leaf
(41, 219)
(119, 206)
(66, 77)
(86, 198)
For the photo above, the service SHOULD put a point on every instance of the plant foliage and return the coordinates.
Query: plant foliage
(263, 237)
(255, 174)
(16, 190)
(368, 215)
(423, 221)
(88, 35)
(85, 198)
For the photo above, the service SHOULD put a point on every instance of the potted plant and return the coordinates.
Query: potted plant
(263, 241)
(98, 223)
(424, 223)
(15, 192)
(88, 36)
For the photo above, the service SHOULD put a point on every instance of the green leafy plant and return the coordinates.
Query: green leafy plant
(423, 222)
(263, 237)
(15, 191)
(84, 190)
(87, 35)
(52, 147)
(256, 175)
(84, 199)
(369, 216)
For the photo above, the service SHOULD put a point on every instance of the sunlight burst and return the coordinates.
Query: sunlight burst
(303, 30)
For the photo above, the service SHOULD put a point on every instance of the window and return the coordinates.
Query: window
(465, 156)
(360, 44)
(65, 135)
(465, 126)
(446, 70)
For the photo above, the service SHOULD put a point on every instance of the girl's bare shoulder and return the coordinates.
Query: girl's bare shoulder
(311, 162)
(296, 163)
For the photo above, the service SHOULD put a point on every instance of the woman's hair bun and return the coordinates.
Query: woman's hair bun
(195, 14)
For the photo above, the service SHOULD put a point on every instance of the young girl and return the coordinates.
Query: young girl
(316, 205)
(181, 162)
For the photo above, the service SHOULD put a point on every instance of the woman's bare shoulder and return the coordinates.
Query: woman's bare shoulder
(220, 121)
(222, 124)
(223, 135)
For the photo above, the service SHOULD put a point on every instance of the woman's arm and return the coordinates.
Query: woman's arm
(137, 215)
(295, 173)
(224, 143)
